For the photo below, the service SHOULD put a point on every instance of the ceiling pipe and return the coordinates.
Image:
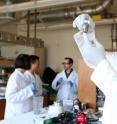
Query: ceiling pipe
(40, 27)
(8, 16)
(62, 15)
(50, 16)
(8, 2)
(39, 4)
(98, 9)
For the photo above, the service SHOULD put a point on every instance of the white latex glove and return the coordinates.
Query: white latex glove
(84, 21)
(91, 50)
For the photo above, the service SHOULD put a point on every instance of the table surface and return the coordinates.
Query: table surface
(23, 119)
(27, 119)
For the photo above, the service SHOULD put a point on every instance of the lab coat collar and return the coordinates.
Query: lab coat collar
(70, 76)
(19, 72)
(32, 75)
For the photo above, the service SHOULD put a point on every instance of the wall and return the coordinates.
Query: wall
(11, 28)
(59, 43)
(103, 34)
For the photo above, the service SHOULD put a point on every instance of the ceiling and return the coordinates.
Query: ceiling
(16, 1)
(112, 10)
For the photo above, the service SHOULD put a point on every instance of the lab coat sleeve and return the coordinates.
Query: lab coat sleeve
(112, 59)
(76, 83)
(16, 95)
(39, 85)
(54, 83)
(105, 77)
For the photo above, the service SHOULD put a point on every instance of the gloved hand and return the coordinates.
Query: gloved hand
(60, 80)
(70, 83)
(91, 50)
(33, 88)
(84, 23)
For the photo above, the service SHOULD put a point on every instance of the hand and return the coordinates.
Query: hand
(60, 80)
(91, 50)
(70, 83)
(33, 88)
(84, 23)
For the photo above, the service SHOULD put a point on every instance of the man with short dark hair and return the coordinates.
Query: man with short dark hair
(32, 74)
(66, 82)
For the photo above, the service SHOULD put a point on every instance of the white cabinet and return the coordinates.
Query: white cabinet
(13, 51)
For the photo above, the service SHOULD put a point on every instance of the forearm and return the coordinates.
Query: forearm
(54, 85)
(19, 96)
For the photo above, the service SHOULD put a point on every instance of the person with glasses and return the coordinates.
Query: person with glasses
(66, 82)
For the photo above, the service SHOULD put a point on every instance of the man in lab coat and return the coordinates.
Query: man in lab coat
(31, 74)
(66, 82)
(94, 55)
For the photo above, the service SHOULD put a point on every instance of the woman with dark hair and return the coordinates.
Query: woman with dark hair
(19, 91)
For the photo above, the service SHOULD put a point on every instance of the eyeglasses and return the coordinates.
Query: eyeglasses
(65, 63)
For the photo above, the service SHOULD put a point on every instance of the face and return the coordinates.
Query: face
(35, 66)
(66, 64)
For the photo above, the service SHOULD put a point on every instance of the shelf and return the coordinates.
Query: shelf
(3, 84)
(7, 62)
(6, 68)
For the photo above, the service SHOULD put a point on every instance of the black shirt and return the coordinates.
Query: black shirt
(68, 74)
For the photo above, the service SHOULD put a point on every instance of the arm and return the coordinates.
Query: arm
(39, 85)
(94, 56)
(76, 84)
(55, 81)
(16, 95)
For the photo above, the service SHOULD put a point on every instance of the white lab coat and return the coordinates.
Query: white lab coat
(18, 95)
(105, 77)
(112, 59)
(65, 92)
(105, 73)
(34, 79)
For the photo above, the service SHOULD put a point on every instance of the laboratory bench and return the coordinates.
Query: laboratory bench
(28, 118)
(48, 99)
(2, 107)
(6, 68)
(2, 102)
